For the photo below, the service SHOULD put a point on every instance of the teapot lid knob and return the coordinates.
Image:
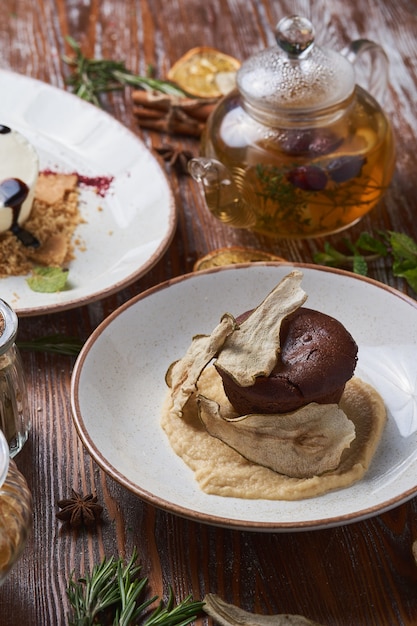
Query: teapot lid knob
(296, 76)
(295, 35)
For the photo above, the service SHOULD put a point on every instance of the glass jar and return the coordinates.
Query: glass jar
(14, 406)
(15, 511)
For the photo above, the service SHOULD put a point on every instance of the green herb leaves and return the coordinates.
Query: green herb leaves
(398, 248)
(110, 595)
(404, 252)
(90, 78)
(48, 279)
(57, 344)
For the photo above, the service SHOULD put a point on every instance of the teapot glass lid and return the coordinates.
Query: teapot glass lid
(296, 75)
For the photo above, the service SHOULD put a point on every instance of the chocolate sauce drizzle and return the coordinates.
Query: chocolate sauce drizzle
(13, 192)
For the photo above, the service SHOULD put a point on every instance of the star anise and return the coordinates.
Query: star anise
(176, 158)
(80, 510)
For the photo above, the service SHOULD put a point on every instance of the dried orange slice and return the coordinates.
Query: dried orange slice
(205, 72)
(233, 255)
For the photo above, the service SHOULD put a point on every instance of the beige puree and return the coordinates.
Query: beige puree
(222, 471)
(306, 453)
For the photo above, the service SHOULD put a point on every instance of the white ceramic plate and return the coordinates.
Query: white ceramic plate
(128, 230)
(118, 389)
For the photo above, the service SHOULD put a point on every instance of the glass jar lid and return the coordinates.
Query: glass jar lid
(296, 76)
(8, 326)
(4, 458)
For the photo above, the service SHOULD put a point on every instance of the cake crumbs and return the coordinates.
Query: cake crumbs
(53, 220)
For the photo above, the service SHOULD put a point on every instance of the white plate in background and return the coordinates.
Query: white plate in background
(126, 231)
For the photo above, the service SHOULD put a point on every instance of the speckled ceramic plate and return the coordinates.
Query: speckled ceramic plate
(125, 232)
(118, 388)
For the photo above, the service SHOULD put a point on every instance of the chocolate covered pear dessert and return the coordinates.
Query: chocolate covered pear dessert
(317, 357)
(268, 406)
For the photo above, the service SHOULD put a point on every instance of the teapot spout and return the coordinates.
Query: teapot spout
(223, 197)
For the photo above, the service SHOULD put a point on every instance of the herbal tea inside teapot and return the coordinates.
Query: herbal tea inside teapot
(298, 149)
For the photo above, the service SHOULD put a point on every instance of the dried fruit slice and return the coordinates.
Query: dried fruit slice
(182, 375)
(205, 72)
(224, 613)
(302, 444)
(233, 255)
(252, 351)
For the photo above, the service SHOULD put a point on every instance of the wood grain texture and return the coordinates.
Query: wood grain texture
(362, 574)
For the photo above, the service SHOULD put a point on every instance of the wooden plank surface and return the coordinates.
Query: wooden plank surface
(362, 574)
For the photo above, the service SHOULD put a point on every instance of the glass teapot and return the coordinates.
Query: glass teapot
(298, 149)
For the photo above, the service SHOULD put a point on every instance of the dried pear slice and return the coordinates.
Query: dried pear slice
(301, 444)
(182, 376)
(253, 350)
(230, 615)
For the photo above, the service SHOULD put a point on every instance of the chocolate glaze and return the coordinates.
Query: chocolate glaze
(318, 356)
(13, 192)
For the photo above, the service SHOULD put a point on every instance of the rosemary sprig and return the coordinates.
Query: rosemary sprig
(110, 595)
(171, 615)
(90, 78)
(57, 344)
(398, 249)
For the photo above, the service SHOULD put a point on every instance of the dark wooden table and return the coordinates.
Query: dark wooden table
(355, 575)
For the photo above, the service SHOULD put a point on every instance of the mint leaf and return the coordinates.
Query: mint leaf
(360, 266)
(403, 247)
(410, 275)
(368, 243)
(48, 279)
(399, 250)
(330, 256)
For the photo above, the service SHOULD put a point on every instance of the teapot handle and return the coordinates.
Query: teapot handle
(374, 69)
